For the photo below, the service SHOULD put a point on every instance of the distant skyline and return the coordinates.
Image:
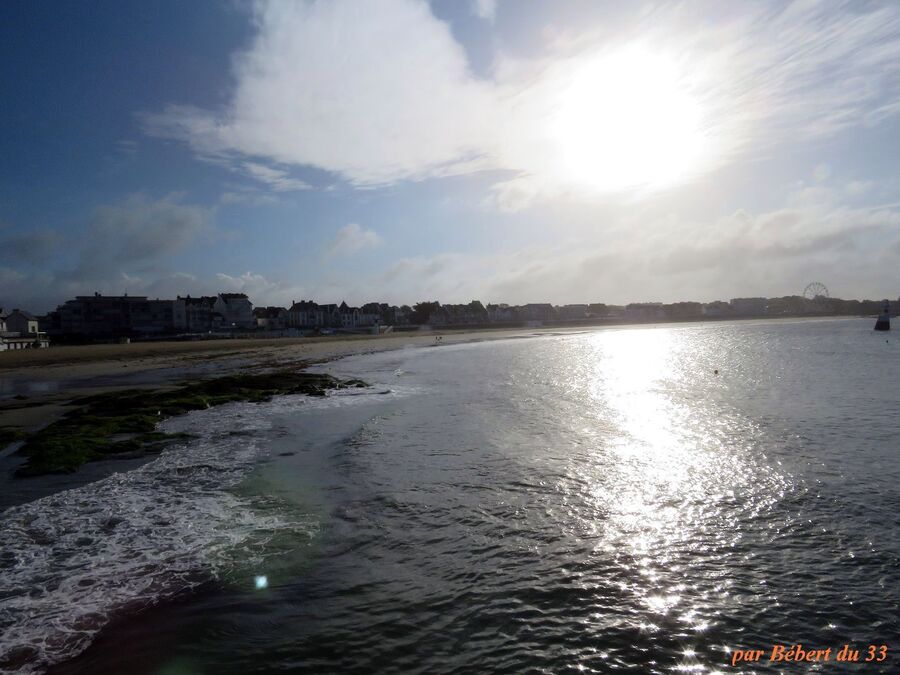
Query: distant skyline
(398, 151)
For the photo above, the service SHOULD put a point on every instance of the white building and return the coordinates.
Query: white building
(19, 330)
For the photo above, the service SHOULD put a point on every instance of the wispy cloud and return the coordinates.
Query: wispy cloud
(309, 92)
(248, 197)
(277, 179)
(128, 147)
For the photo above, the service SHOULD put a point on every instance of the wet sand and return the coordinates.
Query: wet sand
(36, 384)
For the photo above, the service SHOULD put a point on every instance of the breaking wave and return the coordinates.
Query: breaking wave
(72, 561)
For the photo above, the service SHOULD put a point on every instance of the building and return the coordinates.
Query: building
(19, 330)
(684, 310)
(13, 343)
(716, 309)
(572, 312)
(347, 316)
(330, 316)
(501, 313)
(308, 314)
(233, 310)
(372, 313)
(194, 315)
(271, 318)
(455, 315)
(106, 316)
(389, 315)
(643, 311)
(3, 345)
(305, 314)
(21, 322)
(537, 311)
(339, 316)
(749, 306)
(152, 317)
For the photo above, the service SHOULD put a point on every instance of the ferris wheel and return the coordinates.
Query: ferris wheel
(816, 291)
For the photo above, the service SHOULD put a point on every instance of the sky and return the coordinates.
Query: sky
(401, 150)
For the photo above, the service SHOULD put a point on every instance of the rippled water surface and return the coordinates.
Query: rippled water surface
(600, 502)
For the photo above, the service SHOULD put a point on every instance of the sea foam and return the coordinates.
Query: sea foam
(72, 561)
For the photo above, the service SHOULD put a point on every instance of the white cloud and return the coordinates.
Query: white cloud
(381, 92)
(635, 256)
(485, 9)
(377, 92)
(261, 291)
(277, 179)
(767, 78)
(638, 258)
(351, 238)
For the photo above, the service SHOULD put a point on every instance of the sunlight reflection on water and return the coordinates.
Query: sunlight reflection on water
(662, 479)
(602, 502)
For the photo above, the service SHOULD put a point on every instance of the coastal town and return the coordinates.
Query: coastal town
(117, 318)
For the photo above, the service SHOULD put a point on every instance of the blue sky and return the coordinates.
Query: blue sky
(401, 151)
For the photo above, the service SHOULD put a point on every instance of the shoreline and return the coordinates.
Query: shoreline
(97, 359)
(75, 373)
(39, 386)
(36, 384)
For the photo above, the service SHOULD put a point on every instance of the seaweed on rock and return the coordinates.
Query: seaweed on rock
(124, 422)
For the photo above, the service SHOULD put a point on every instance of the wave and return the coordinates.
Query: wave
(74, 560)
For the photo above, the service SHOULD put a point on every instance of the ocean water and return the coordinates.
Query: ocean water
(591, 502)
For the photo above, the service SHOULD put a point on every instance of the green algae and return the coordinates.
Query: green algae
(124, 422)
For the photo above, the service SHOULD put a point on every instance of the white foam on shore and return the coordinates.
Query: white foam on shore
(73, 560)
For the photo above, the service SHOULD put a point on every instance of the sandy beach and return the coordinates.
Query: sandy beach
(36, 384)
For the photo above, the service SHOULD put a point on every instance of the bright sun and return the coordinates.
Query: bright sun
(627, 121)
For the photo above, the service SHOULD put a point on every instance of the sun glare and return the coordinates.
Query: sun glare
(627, 120)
